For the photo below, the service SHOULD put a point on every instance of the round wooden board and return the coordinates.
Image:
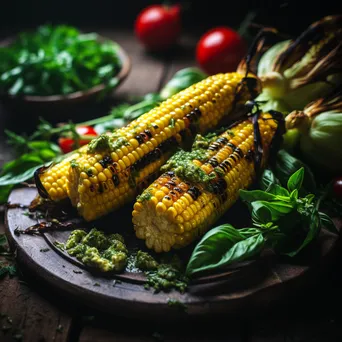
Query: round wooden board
(252, 287)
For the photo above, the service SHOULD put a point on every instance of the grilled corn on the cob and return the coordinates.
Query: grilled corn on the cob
(197, 187)
(114, 167)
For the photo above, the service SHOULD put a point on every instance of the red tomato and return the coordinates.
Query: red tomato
(67, 144)
(158, 27)
(337, 187)
(220, 50)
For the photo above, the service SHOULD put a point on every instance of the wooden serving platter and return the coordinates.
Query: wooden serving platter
(248, 288)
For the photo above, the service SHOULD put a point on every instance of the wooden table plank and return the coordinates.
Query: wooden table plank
(27, 316)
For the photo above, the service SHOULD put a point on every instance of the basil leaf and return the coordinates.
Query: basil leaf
(209, 251)
(247, 232)
(21, 164)
(267, 179)
(12, 179)
(328, 223)
(243, 250)
(296, 180)
(278, 190)
(277, 209)
(4, 193)
(286, 165)
(260, 213)
(256, 195)
(182, 79)
(314, 228)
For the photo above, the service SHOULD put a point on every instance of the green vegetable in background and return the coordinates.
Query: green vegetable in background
(54, 60)
(281, 220)
(182, 79)
(319, 128)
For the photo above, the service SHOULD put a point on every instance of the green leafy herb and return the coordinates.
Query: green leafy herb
(54, 60)
(282, 220)
(182, 79)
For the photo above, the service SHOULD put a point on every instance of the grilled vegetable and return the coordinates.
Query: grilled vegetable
(182, 204)
(320, 131)
(294, 72)
(114, 167)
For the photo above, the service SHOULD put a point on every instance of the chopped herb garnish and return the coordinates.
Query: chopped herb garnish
(172, 123)
(177, 304)
(60, 328)
(59, 245)
(97, 284)
(73, 163)
(145, 196)
(44, 249)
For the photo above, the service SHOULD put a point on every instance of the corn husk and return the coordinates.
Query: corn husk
(295, 72)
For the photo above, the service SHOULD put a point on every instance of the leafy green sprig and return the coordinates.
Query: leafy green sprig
(282, 220)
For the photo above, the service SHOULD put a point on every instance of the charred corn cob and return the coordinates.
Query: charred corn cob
(116, 166)
(197, 187)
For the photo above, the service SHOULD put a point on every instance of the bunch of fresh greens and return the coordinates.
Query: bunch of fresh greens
(54, 60)
(282, 220)
(32, 154)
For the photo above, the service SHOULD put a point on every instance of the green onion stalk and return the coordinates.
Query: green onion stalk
(318, 131)
(295, 72)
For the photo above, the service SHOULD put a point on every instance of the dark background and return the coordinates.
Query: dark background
(288, 16)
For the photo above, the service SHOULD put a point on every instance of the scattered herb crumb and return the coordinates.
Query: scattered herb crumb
(88, 318)
(177, 304)
(97, 284)
(44, 249)
(165, 278)
(77, 272)
(158, 336)
(59, 245)
(17, 336)
(60, 328)
(5, 328)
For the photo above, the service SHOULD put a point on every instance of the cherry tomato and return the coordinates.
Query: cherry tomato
(67, 144)
(337, 187)
(220, 50)
(158, 27)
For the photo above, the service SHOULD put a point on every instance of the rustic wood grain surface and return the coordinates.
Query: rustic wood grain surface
(31, 311)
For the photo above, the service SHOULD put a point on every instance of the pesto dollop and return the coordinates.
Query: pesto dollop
(182, 164)
(106, 142)
(145, 261)
(95, 249)
(165, 278)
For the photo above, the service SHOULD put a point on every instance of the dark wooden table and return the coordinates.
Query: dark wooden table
(31, 311)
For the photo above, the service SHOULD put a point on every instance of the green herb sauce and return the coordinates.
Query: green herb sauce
(95, 249)
(182, 164)
(165, 278)
(106, 142)
(145, 196)
(145, 261)
(74, 163)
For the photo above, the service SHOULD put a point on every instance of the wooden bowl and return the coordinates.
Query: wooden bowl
(63, 104)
